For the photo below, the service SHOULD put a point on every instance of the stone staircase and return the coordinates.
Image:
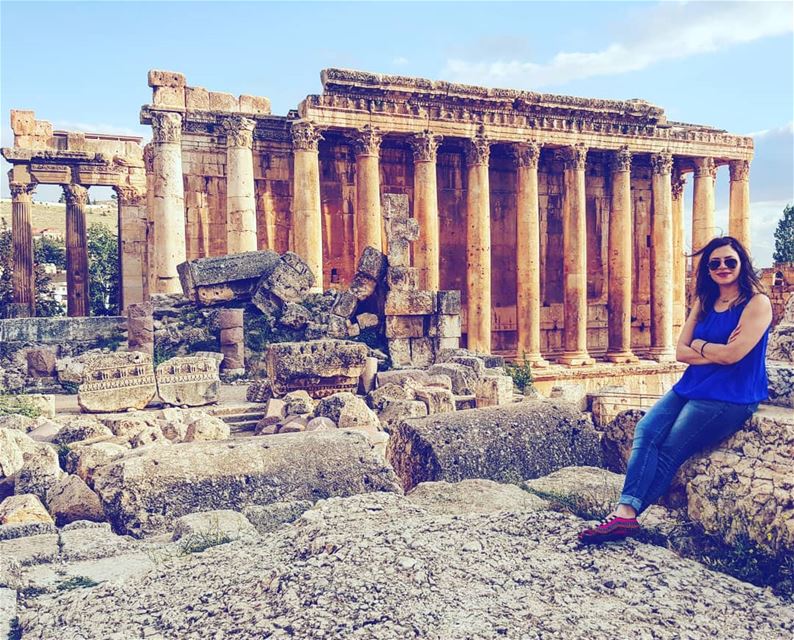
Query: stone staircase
(241, 417)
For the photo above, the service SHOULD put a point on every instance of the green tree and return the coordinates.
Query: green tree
(103, 270)
(51, 250)
(784, 237)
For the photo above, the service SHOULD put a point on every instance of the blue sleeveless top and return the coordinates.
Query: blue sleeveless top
(742, 382)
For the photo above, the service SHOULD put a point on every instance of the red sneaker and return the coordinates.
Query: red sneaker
(613, 528)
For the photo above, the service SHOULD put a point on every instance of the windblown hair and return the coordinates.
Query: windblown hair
(708, 291)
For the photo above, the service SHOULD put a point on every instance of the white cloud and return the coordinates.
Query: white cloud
(665, 32)
(400, 61)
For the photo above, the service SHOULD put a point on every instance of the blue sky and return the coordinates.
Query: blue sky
(83, 65)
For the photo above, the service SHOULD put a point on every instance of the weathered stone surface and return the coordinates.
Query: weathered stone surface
(116, 382)
(367, 320)
(362, 286)
(477, 365)
(321, 367)
(23, 509)
(596, 489)
(570, 392)
(13, 446)
(410, 303)
(84, 460)
(463, 378)
(386, 392)
(140, 327)
(393, 412)
(372, 263)
(294, 316)
(781, 342)
(401, 230)
(289, 279)
(781, 384)
(494, 390)
(437, 399)
(337, 326)
(45, 430)
(41, 362)
(188, 380)
(146, 491)
(21, 423)
(472, 496)
(400, 352)
(81, 428)
(293, 424)
(207, 428)
(213, 524)
(617, 439)
(298, 402)
(267, 426)
(449, 302)
(40, 472)
(71, 499)
(259, 391)
(405, 326)
(232, 339)
(267, 518)
(225, 278)
(348, 412)
(345, 304)
(402, 278)
(506, 444)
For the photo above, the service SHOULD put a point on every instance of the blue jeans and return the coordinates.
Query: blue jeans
(673, 430)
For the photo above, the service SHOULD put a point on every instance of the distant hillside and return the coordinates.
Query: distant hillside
(52, 215)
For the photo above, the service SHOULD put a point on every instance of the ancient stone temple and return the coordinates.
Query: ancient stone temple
(560, 219)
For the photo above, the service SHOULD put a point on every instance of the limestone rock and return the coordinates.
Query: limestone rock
(464, 378)
(367, 320)
(13, 445)
(45, 430)
(267, 426)
(259, 391)
(617, 439)
(293, 424)
(267, 518)
(321, 367)
(321, 424)
(348, 412)
(224, 278)
(472, 496)
(41, 362)
(506, 444)
(596, 490)
(21, 423)
(116, 382)
(289, 279)
(207, 428)
(781, 384)
(81, 428)
(437, 399)
(146, 436)
(294, 316)
(71, 499)
(298, 402)
(39, 474)
(377, 398)
(219, 523)
(83, 461)
(189, 380)
(372, 263)
(393, 412)
(781, 342)
(23, 509)
(146, 490)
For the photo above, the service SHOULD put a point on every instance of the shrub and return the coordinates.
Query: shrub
(18, 405)
(521, 373)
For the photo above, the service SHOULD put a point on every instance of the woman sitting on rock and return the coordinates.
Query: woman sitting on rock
(724, 343)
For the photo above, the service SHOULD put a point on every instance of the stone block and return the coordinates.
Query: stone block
(449, 302)
(255, 104)
(159, 78)
(446, 326)
(348, 411)
(23, 509)
(289, 279)
(423, 353)
(345, 304)
(174, 97)
(337, 326)
(372, 263)
(447, 343)
(437, 399)
(494, 390)
(400, 352)
(198, 526)
(41, 362)
(197, 99)
(190, 380)
(362, 286)
(117, 382)
(464, 379)
(410, 303)
(405, 326)
(225, 278)
(393, 411)
(367, 320)
(223, 102)
(294, 316)
(402, 278)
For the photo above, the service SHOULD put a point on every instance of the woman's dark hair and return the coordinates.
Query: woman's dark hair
(708, 291)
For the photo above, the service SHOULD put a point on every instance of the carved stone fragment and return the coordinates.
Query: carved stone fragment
(116, 382)
(190, 380)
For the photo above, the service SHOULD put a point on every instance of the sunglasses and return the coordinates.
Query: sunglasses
(716, 263)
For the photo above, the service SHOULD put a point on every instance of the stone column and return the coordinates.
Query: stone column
(168, 200)
(77, 300)
(23, 280)
(240, 193)
(427, 246)
(478, 245)
(232, 339)
(739, 208)
(620, 236)
(369, 224)
(662, 348)
(307, 223)
(702, 207)
(574, 242)
(133, 259)
(140, 328)
(679, 253)
(528, 255)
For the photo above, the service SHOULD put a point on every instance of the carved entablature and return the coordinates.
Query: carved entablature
(366, 141)
(76, 195)
(239, 131)
(739, 169)
(662, 163)
(705, 168)
(527, 154)
(478, 150)
(573, 158)
(22, 192)
(620, 160)
(425, 146)
(305, 136)
(166, 127)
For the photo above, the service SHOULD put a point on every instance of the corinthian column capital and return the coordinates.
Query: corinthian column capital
(573, 158)
(705, 167)
(76, 195)
(620, 160)
(739, 169)
(166, 127)
(305, 136)
(239, 131)
(662, 163)
(678, 185)
(366, 141)
(478, 150)
(22, 192)
(130, 195)
(425, 146)
(527, 154)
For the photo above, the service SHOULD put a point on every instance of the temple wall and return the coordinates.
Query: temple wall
(273, 189)
(642, 208)
(338, 198)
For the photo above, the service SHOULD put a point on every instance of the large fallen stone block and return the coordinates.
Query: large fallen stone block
(321, 367)
(147, 490)
(191, 380)
(224, 278)
(117, 382)
(23, 509)
(289, 279)
(506, 444)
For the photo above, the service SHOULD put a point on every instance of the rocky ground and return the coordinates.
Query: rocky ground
(449, 561)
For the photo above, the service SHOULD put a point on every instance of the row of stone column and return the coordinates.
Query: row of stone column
(23, 281)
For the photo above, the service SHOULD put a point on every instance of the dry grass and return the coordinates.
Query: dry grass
(52, 215)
